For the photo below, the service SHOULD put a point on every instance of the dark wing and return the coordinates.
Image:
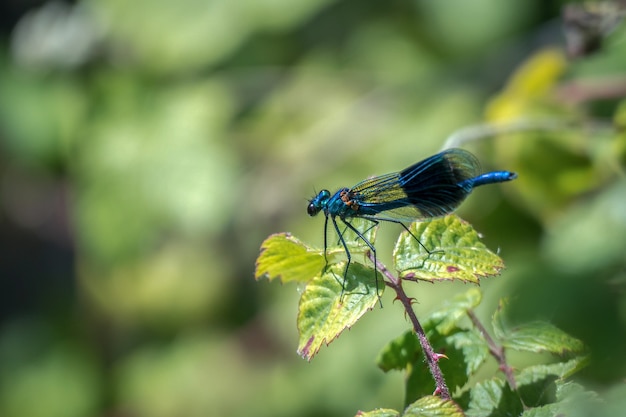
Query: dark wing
(431, 188)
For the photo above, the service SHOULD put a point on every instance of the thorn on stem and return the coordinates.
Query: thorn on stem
(505, 368)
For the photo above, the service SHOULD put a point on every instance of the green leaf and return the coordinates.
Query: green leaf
(405, 353)
(493, 398)
(573, 400)
(454, 310)
(498, 319)
(536, 384)
(549, 410)
(327, 307)
(400, 353)
(431, 406)
(419, 381)
(286, 258)
(381, 412)
(473, 346)
(572, 390)
(456, 253)
(538, 393)
(535, 337)
(560, 370)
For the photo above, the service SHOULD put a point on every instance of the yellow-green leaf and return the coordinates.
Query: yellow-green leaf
(379, 412)
(286, 258)
(456, 252)
(327, 307)
(431, 406)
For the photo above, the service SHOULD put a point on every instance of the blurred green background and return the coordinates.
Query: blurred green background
(148, 147)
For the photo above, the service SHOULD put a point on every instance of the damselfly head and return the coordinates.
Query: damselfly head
(318, 202)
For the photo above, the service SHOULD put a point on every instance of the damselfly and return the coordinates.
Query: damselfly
(430, 188)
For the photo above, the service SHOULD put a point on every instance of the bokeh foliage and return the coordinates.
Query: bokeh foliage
(147, 148)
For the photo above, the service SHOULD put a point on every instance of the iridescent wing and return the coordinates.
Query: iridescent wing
(431, 188)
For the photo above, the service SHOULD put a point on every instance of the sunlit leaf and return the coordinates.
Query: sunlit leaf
(456, 252)
(431, 406)
(380, 412)
(329, 305)
(286, 258)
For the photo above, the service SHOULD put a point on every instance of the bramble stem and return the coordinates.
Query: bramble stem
(432, 358)
(497, 351)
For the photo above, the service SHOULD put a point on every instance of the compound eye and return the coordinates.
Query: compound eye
(312, 209)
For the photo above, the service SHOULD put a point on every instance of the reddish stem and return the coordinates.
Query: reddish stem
(432, 357)
(496, 350)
